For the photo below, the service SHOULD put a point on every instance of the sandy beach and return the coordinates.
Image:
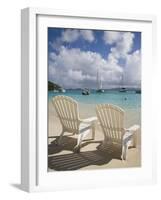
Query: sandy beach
(92, 155)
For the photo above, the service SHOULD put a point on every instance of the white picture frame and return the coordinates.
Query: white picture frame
(33, 102)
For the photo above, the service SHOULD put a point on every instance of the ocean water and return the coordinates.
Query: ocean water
(126, 100)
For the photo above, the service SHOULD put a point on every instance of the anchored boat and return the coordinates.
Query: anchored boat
(85, 91)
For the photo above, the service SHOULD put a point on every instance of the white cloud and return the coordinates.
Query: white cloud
(87, 35)
(72, 35)
(122, 42)
(111, 37)
(133, 69)
(75, 68)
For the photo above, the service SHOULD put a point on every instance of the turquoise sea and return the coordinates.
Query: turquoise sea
(126, 100)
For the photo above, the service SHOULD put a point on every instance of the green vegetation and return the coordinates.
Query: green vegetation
(53, 86)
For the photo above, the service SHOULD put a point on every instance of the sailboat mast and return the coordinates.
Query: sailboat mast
(100, 83)
(99, 80)
(122, 80)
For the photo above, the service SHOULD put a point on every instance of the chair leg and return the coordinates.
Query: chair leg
(135, 140)
(124, 152)
(60, 138)
(79, 141)
(93, 132)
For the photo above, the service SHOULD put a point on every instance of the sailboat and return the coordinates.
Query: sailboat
(122, 89)
(99, 82)
(85, 91)
(138, 91)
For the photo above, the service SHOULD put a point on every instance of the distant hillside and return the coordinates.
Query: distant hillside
(53, 86)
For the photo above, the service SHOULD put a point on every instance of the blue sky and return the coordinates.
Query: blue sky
(75, 56)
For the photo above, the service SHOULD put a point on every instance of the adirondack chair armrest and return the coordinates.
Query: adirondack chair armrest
(89, 120)
(132, 133)
(133, 128)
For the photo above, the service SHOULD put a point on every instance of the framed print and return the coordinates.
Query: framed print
(85, 97)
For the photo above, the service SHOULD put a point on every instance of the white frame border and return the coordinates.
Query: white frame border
(29, 173)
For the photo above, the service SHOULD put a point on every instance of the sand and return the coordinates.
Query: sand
(93, 155)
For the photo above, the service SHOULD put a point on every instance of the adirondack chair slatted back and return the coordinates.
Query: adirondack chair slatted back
(111, 119)
(67, 111)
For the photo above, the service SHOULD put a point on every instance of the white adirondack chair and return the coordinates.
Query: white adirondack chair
(67, 111)
(111, 119)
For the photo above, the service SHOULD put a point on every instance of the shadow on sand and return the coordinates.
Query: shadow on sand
(103, 154)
